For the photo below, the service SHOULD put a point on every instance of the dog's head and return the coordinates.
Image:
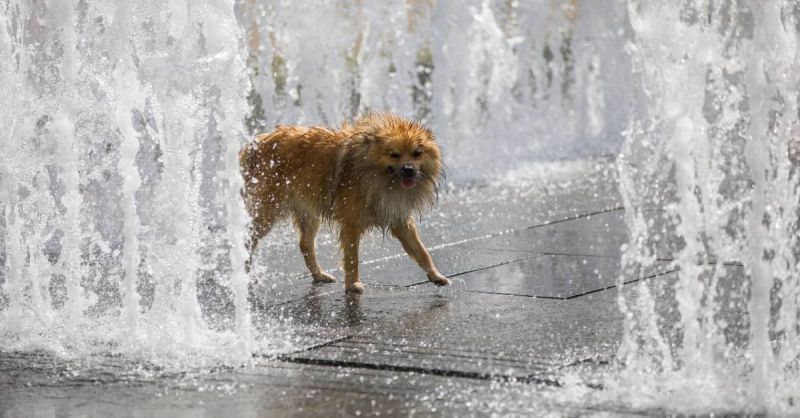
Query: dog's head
(400, 151)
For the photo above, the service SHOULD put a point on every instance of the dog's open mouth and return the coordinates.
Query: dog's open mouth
(408, 182)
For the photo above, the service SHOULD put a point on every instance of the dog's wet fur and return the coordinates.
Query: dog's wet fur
(376, 171)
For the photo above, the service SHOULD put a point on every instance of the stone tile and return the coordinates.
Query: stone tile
(600, 234)
(263, 389)
(595, 237)
(451, 261)
(461, 333)
(551, 276)
(398, 270)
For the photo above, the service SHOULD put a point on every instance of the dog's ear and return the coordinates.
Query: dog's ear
(364, 138)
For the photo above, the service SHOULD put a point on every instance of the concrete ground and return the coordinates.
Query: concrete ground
(532, 310)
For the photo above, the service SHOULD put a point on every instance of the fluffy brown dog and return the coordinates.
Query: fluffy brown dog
(376, 172)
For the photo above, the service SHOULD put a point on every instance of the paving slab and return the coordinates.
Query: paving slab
(266, 389)
(50, 387)
(595, 233)
(552, 276)
(461, 333)
(396, 270)
(583, 251)
(451, 260)
(599, 234)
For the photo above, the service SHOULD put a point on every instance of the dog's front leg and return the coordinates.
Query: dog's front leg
(409, 238)
(349, 237)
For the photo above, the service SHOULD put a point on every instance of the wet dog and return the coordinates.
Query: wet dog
(377, 171)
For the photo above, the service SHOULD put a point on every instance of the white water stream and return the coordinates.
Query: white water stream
(119, 175)
(710, 178)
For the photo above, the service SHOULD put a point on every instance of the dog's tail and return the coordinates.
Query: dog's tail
(248, 160)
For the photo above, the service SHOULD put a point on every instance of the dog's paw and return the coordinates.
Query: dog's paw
(356, 287)
(323, 277)
(438, 279)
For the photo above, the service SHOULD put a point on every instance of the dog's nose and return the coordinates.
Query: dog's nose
(408, 171)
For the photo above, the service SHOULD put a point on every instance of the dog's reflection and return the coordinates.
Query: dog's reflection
(352, 314)
(325, 306)
(312, 302)
(348, 313)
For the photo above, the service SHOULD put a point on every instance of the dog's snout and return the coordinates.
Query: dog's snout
(408, 171)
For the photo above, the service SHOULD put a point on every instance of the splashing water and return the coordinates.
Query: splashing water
(119, 178)
(709, 175)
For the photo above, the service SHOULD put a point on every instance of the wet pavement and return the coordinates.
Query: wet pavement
(533, 301)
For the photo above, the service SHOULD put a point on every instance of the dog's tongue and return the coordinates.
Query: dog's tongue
(408, 182)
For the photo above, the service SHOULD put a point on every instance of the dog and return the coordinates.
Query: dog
(376, 171)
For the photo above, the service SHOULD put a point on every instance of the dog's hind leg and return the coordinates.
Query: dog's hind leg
(307, 227)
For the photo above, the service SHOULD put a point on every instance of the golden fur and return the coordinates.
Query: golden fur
(375, 172)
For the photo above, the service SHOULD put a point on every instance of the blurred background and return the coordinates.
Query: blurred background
(501, 82)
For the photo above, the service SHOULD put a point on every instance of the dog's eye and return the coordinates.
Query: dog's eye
(417, 153)
(394, 155)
